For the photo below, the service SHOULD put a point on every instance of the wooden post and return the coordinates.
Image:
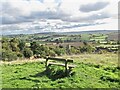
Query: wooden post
(46, 64)
(66, 68)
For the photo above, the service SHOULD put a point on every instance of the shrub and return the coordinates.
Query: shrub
(20, 55)
(8, 55)
(59, 51)
(27, 53)
(52, 53)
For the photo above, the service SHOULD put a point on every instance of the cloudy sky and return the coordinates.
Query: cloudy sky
(33, 16)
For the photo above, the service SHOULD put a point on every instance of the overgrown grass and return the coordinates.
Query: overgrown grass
(85, 75)
(96, 59)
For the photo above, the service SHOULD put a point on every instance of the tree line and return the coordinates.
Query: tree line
(13, 49)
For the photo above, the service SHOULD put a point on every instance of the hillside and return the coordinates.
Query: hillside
(99, 74)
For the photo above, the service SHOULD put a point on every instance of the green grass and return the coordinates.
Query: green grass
(85, 75)
(96, 59)
(85, 37)
(99, 38)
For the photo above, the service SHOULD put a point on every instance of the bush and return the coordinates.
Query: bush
(9, 55)
(59, 51)
(27, 53)
(52, 53)
(20, 55)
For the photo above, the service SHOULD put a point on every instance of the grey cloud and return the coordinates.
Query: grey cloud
(79, 25)
(93, 7)
(97, 16)
(13, 15)
(10, 15)
(90, 18)
(37, 27)
(7, 19)
(11, 19)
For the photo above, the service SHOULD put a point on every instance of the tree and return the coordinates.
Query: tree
(52, 53)
(68, 47)
(86, 48)
(14, 44)
(73, 50)
(20, 55)
(5, 43)
(89, 49)
(57, 41)
(35, 47)
(21, 45)
(85, 43)
(59, 51)
(27, 53)
(8, 55)
(14, 47)
(6, 46)
(4, 40)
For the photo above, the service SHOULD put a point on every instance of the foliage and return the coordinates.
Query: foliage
(73, 44)
(27, 53)
(8, 55)
(21, 45)
(59, 51)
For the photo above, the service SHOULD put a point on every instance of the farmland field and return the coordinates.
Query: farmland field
(92, 71)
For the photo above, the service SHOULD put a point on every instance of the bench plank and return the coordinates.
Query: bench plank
(57, 59)
(60, 64)
(71, 66)
(68, 60)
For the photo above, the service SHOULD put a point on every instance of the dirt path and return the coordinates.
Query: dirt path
(22, 61)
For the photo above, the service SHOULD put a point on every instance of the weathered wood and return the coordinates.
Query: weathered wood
(60, 59)
(66, 61)
(59, 64)
(66, 67)
(57, 59)
(46, 64)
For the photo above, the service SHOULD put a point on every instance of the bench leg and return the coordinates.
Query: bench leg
(46, 64)
(66, 68)
(47, 68)
(66, 71)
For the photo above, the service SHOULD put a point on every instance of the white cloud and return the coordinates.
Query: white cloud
(20, 11)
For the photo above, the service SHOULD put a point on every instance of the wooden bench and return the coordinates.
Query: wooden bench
(65, 63)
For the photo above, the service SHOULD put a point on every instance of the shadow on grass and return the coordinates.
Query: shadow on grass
(25, 78)
(52, 74)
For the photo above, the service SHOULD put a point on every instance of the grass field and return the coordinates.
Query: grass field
(92, 71)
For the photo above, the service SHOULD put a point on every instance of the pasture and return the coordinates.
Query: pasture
(92, 71)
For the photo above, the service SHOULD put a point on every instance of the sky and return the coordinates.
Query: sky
(34, 16)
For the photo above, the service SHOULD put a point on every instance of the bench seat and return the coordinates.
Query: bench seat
(60, 64)
(67, 63)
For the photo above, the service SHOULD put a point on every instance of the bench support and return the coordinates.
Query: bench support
(46, 64)
(68, 68)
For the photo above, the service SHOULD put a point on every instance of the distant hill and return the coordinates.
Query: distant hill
(71, 33)
(113, 36)
(81, 32)
(90, 32)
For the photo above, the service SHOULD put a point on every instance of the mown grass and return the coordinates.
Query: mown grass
(85, 75)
